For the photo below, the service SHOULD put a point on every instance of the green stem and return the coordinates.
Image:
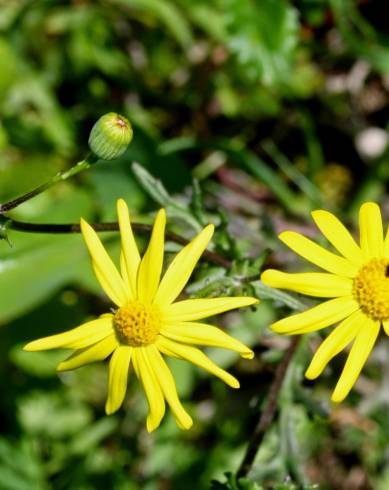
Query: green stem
(9, 223)
(59, 177)
(267, 416)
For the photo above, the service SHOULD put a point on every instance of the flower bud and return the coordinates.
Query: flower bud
(110, 136)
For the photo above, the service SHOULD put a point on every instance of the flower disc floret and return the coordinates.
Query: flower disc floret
(137, 324)
(371, 289)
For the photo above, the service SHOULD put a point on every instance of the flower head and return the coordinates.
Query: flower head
(357, 280)
(110, 136)
(148, 321)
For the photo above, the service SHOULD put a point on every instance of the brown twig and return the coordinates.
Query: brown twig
(267, 416)
(75, 228)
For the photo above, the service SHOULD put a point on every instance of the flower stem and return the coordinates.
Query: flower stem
(59, 177)
(267, 416)
(10, 223)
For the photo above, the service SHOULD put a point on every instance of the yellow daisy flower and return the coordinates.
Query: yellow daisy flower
(357, 280)
(148, 321)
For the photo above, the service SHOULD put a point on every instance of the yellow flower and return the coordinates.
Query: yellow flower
(358, 281)
(148, 321)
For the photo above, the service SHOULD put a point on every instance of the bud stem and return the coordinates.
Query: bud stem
(59, 177)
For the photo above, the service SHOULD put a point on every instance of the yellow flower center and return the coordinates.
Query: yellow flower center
(137, 324)
(371, 289)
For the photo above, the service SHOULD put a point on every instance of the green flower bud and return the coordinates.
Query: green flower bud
(110, 136)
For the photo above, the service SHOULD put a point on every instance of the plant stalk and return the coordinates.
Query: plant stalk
(267, 416)
(75, 228)
(59, 177)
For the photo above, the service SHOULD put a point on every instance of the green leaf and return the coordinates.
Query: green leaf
(49, 125)
(42, 364)
(293, 173)
(360, 36)
(8, 67)
(206, 16)
(92, 435)
(234, 483)
(157, 191)
(166, 12)
(27, 279)
(266, 292)
(243, 158)
(38, 265)
(52, 415)
(263, 37)
(20, 466)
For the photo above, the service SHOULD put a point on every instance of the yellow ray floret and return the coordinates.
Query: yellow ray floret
(338, 235)
(311, 283)
(130, 257)
(357, 278)
(148, 322)
(203, 334)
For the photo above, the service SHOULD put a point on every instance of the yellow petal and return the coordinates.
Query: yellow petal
(337, 234)
(195, 356)
(77, 338)
(310, 283)
(130, 252)
(181, 268)
(359, 353)
(152, 388)
(202, 334)
(151, 265)
(106, 285)
(117, 377)
(97, 352)
(318, 317)
(386, 327)
(105, 270)
(168, 386)
(318, 255)
(335, 343)
(194, 309)
(371, 232)
(386, 244)
(124, 274)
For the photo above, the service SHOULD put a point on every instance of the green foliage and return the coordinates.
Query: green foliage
(263, 36)
(362, 38)
(246, 114)
(235, 483)
(160, 195)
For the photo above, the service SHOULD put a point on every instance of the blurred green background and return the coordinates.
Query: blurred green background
(275, 108)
